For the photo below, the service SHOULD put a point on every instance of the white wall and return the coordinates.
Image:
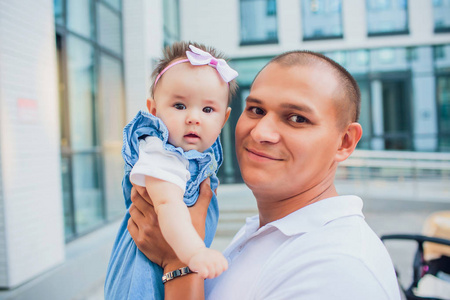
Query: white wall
(217, 23)
(32, 214)
(143, 44)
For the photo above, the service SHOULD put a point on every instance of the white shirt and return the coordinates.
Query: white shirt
(323, 251)
(157, 162)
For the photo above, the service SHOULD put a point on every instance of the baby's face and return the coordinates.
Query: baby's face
(193, 103)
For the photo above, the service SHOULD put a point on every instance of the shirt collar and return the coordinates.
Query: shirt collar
(310, 217)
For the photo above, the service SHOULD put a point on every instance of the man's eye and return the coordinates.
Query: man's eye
(180, 106)
(256, 110)
(297, 119)
(207, 110)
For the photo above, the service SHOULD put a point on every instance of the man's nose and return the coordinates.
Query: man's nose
(266, 130)
(193, 118)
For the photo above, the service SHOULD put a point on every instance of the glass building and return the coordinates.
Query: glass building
(92, 111)
(405, 88)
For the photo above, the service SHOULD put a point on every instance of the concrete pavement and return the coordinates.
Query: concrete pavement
(386, 214)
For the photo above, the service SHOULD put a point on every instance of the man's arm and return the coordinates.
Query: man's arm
(144, 229)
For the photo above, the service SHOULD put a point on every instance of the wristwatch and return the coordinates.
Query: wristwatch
(177, 273)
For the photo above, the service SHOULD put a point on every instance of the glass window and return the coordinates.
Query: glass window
(396, 114)
(85, 162)
(80, 17)
(116, 4)
(441, 13)
(248, 68)
(387, 17)
(92, 111)
(321, 19)
(442, 57)
(443, 97)
(389, 59)
(69, 222)
(81, 93)
(358, 62)
(338, 56)
(365, 115)
(109, 28)
(258, 22)
(111, 98)
(59, 11)
(87, 191)
(171, 19)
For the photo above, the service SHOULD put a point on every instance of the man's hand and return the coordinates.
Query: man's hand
(144, 228)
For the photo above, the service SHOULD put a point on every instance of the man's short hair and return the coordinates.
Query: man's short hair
(178, 50)
(350, 90)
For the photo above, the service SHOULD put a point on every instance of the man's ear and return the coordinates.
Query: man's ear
(227, 115)
(349, 141)
(151, 105)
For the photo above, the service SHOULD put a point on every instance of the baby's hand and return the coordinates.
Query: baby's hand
(208, 263)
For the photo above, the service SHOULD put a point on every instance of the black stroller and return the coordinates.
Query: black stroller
(431, 263)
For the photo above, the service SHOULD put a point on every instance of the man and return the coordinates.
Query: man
(307, 242)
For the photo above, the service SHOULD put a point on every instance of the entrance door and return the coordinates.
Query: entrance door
(396, 115)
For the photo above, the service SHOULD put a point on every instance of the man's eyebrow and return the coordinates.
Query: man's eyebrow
(298, 107)
(304, 108)
(253, 100)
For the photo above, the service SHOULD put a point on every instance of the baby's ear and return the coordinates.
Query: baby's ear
(227, 115)
(151, 105)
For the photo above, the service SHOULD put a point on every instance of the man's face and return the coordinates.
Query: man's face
(192, 101)
(287, 136)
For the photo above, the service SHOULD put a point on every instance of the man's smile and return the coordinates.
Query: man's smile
(260, 155)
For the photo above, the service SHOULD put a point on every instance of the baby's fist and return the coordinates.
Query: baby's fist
(208, 263)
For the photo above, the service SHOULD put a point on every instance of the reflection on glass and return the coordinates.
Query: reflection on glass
(441, 13)
(69, 225)
(389, 59)
(442, 57)
(443, 95)
(364, 118)
(171, 24)
(80, 79)
(113, 121)
(258, 21)
(396, 115)
(387, 17)
(87, 191)
(321, 19)
(79, 17)
(59, 11)
(116, 4)
(109, 29)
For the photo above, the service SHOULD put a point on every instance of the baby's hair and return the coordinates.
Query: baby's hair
(349, 85)
(178, 50)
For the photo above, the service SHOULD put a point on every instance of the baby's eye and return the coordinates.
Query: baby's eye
(257, 110)
(180, 106)
(297, 119)
(207, 110)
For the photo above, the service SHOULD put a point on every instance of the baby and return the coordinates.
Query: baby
(171, 151)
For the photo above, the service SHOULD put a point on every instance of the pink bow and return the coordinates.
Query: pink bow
(199, 57)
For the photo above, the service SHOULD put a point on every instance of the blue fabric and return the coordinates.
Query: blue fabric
(130, 274)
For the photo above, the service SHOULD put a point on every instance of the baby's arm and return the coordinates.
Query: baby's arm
(176, 227)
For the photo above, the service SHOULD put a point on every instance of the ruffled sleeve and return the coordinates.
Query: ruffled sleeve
(155, 161)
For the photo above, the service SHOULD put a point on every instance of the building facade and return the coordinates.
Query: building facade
(72, 74)
(398, 51)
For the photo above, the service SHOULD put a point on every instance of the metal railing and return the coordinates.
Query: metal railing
(396, 174)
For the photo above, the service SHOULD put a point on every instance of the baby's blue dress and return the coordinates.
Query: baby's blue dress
(130, 275)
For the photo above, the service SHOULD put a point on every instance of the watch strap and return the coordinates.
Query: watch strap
(177, 273)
